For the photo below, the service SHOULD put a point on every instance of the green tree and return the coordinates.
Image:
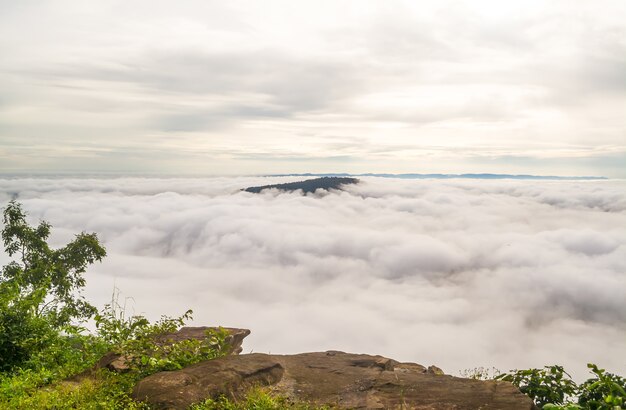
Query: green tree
(40, 289)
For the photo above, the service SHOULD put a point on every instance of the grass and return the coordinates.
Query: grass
(111, 391)
(107, 391)
(256, 399)
(41, 385)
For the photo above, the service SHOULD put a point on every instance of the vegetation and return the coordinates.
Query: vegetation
(552, 388)
(42, 343)
(480, 373)
(107, 390)
(256, 399)
(38, 291)
(139, 340)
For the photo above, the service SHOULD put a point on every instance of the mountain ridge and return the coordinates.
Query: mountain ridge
(446, 176)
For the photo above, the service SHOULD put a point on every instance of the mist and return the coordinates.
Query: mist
(456, 273)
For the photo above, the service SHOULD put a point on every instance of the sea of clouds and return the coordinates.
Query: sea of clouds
(457, 273)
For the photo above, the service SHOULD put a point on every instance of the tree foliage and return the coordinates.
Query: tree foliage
(40, 288)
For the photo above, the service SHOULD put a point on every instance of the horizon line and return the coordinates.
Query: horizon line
(474, 175)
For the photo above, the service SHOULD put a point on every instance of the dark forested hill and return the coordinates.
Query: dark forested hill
(309, 185)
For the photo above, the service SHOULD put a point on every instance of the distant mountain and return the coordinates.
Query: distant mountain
(310, 185)
(445, 176)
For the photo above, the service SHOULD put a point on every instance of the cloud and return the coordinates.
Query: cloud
(459, 273)
(458, 83)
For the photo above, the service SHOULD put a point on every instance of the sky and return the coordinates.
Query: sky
(246, 87)
(456, 273)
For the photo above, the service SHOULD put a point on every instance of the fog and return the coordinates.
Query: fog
(456, 273)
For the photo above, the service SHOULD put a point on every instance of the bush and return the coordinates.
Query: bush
(552, 388)
(21, 335)
(604, 391)
(552, 384)
(39, 383)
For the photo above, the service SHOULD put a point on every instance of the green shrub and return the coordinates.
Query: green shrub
(552, 384)
(21, 334)
(604, 391)
(39, 383)
(552, 388)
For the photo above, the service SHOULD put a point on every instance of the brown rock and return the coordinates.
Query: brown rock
(234, 339)
(225, 376)
(349, 381)
(435, 370)
(114, 362)
(119, 363)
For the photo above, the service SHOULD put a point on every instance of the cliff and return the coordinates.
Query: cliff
(336, 379)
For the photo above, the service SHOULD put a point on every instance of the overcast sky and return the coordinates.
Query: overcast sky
(234, 87)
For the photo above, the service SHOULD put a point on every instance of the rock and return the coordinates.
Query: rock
(234, 339)
(343, 380)
(228, 376)
(435, 370)
(118, 363)
(114, 362)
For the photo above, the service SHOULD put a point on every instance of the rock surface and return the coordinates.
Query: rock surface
(234, 339)
(343, 380)
(119, 363)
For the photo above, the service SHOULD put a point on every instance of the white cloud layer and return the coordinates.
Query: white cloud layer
(458, 273)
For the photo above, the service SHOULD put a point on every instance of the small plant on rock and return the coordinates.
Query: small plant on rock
(256, 399)
(480, 373)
